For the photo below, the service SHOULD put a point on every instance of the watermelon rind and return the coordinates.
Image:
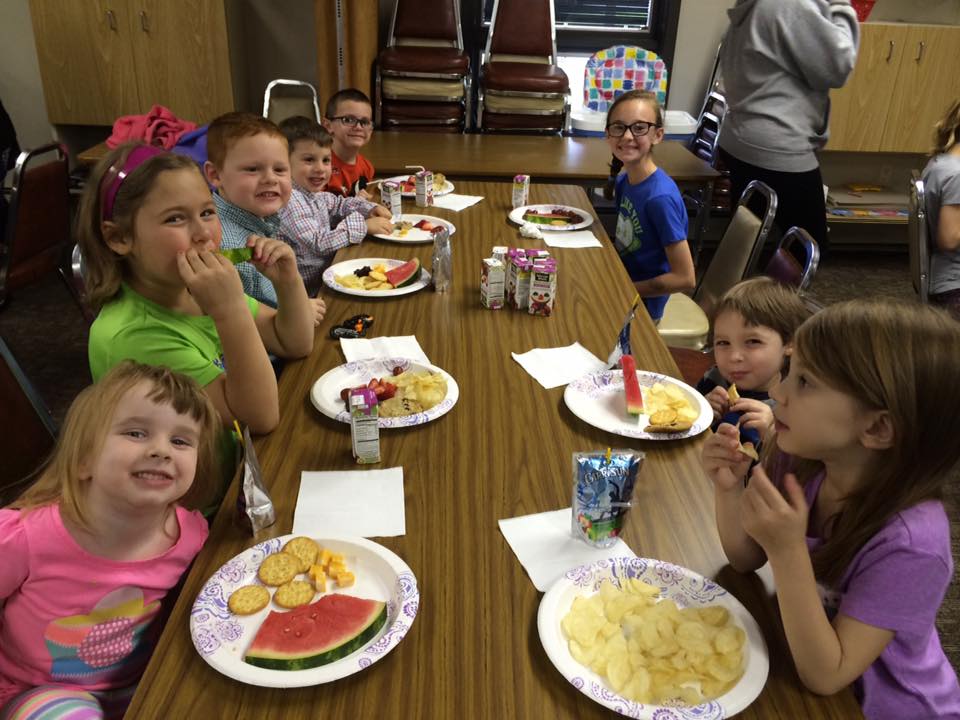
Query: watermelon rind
(405, 274)
(275, 662)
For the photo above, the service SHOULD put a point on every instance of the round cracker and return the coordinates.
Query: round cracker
(305, 550)
(248, 599)
(666, 416)
(293, 594)
(278, 569)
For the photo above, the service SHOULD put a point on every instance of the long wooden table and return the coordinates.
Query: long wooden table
(503, 451)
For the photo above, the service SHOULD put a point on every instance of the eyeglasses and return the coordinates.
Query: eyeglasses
(351, 121)
(637, 129)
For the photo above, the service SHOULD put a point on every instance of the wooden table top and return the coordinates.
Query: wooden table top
(503, 451)
(582, 160)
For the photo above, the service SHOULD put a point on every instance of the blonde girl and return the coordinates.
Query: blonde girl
(94, 546)
(852, 521)
(651, 234)
(941, 178)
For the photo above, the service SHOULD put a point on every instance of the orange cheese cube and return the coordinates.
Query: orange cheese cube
(324, 559)
(338, 558)
(335, 568)
(318, 577)
(345, 579)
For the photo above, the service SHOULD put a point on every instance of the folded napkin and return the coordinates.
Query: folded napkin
(368, 503)
(401, 346)
(452, 201)
(552, 367)
(572, 239)
(546, 548)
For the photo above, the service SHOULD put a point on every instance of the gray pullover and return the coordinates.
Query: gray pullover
(778, 62)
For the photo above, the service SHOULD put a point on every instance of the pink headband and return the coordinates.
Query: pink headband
(113, 178)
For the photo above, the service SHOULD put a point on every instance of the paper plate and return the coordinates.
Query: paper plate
(516, 215)
(445, 189)
(416, 235)
(687, 589)
(348, 266)
(222, 638)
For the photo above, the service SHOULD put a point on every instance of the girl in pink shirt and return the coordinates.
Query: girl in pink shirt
(92, 548)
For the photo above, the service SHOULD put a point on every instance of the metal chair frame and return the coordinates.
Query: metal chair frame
(711, 118)
(919, 239)
(811, 254)
(282, 82)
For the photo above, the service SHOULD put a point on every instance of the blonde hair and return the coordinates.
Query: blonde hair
(85, 430)
(103, 268)
(763, 301)
(947, 130)
(900, 358)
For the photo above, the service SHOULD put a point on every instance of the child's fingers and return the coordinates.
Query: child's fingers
(794, 490)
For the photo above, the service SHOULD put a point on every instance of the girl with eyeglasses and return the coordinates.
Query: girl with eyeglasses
(651, 234)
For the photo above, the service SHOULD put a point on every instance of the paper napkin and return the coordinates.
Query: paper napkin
(401, 346)
(572, 239)
(368, 503)
(552, 367)
(545, 547)
(452, 201)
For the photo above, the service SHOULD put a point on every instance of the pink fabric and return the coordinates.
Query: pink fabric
(74, 619)
(158, 127)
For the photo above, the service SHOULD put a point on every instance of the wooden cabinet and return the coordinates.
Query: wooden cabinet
(101, 59)
(905, 78)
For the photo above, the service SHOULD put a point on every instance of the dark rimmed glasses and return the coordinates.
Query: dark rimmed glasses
(351, 121)
(637, 129)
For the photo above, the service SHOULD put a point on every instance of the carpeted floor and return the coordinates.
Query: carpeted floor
(48, 335)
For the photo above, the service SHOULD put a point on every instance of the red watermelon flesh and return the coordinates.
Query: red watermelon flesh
(404, 274)
(631, 386)
(316, 634)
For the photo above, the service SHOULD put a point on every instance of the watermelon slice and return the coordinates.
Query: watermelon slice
(631, 386)
(405, 274)
(316, 634)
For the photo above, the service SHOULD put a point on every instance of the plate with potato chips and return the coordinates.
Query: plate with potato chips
(423, 392)
(373, 283)
(671, 408)
(649, 639)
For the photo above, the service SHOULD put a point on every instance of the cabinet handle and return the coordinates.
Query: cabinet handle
(111, 20)
(144, 21)
(890, 51)
(920, 49)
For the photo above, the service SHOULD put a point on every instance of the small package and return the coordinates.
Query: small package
(254, 506)
(543, 287)
(424, 185)
(365, 425)
(521, 190)
(603, 484)
(492, 281)
(391, 195)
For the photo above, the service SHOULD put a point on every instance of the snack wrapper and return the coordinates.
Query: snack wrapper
(254, 506)
(603, 484)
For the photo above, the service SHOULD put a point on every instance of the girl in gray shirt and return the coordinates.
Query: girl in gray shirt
(941, 180)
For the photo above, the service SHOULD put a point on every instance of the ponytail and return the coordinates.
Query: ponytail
(947, 131)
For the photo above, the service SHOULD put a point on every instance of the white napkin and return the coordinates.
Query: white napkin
(572, 239)
(452, 201)
(552, 367)
(546, 548)
(368, 503)
(401, 346)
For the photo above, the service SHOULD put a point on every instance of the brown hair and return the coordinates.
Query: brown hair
(900, 358)
(645, 96)
(103, 269)
(345, 95)
(85, 430)
(947, 130)
(225, 130)
(298, 128)
(762, 301)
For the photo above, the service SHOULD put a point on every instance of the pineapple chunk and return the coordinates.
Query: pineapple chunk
(345, 579)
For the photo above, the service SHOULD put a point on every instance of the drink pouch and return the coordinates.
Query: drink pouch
(254, 506)
(603, 484)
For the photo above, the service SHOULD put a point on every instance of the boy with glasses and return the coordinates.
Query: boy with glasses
(349, 119)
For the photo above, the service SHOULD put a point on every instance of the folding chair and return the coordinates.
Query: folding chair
(704, 145)
(919, 240)
(795, 260)
(287, 98)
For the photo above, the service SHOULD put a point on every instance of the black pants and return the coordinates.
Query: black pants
(799, 198)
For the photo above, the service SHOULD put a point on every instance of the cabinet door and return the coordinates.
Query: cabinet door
(928, 82)
(859, 108)
(85, 60)
(182, 57)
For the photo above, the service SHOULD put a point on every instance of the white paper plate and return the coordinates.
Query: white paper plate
(325, 393)
(516, 215)
(687, 589)
(222, 638)
(348, 266)
(445, 190)
(598, 400)
(416, 235)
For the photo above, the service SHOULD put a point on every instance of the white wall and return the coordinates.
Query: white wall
(700, 27)
(20, 86)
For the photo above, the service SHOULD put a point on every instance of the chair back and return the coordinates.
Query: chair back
(426, 22)
(287, 98)
(919, 241)
(740, 244)
(706, 138)
(29, 430)
(615, 70)
(37, 231)
(74, 279)
(522, 28)
(795, 260)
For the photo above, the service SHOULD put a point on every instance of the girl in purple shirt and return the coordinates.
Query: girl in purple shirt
(851, 522)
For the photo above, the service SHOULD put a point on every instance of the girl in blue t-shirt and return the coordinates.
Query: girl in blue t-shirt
(651, 234)
(848, 512)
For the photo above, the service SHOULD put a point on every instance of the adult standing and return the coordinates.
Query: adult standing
(779, 60)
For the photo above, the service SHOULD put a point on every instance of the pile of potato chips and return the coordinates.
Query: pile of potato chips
(668, 408)
(376, 280)
(416, 392)
(652, 651)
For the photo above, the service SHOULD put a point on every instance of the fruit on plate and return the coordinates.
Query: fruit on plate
(366, 278)
(557, 216)
(383, 389)
(316, 634)
(631, 386)
(405, 274)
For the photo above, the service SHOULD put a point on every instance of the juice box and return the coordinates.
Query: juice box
(391, 195)
(543, 287)
(364, 425)
(510, 286)
(521, 190)
(424, 183)
(499, 252)
(520, 298)
(492, 281)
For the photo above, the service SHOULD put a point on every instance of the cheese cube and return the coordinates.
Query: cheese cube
(335, 568)
(324, 559)
(345, 579)
(318, 577)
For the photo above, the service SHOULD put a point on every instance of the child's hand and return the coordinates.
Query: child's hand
(274, 258)
(365, 195)
(319, 308)
(380, 211)
(719, 401)
(773, 520)
(379, 226)
(756, 415)
(724, 464)
(212, 281)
